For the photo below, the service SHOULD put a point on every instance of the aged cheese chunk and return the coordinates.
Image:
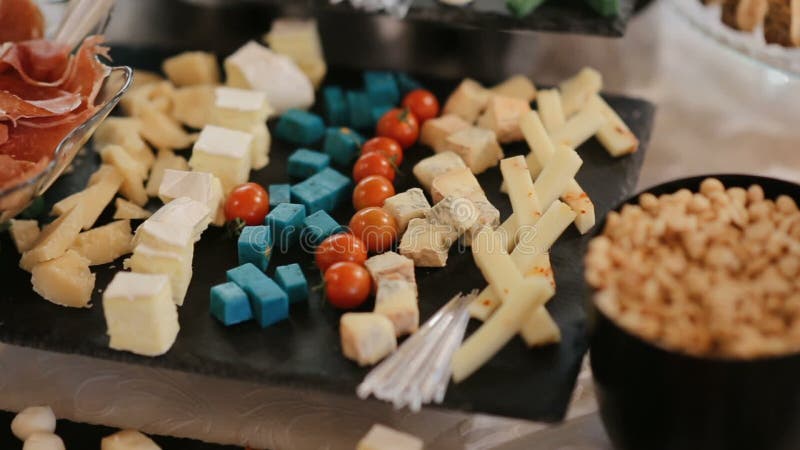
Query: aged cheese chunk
(467, 101)
(452, 217)
(423, 243)
(192, 105)
(579, 128)
(224, 153)
(439, 164)
(576, 91)
(385, 438)
(455, 183)
(161, 130)
(435, 131)
(104, 244)
(259, 148)
(128, 440)
(33, 419)
(176, 265)
(239, 109)
(94, 198)
(396, 299)
(299, 40)
(127, 210)
(190, 68)
(156, 94)
(125, 132)
(521, 192)
(477, 147)
(55, 238)
(557, 174)
(200, 186)
(405, 206)
(132, 186)
(185, 212)
(390, 265)
(518, 86)
(166, 159)
(24, 234)
(502, 116)
(615, 135)
(256, 67)
(140, 315)
(65, 280)
(540, 329)
(366, 337)
(550, 109)
(143, 77)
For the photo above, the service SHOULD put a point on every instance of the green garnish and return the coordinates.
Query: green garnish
(521, 8)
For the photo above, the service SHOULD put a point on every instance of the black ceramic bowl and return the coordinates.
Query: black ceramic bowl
(654, 399)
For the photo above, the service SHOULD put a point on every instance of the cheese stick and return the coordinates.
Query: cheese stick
(576, 91)
(538, 141)
(494, 262)
(579, 201)
(579, 128)
(550, 109)
(482, 345)
(540, 329)
(556, 175)
(482, 310)
(615, 135)
(508, 233)
(521, 192)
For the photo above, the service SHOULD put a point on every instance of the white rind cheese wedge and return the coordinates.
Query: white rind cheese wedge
(176, 265)
(192, 68)
(385, 438)
(65, 281)
(405, 206)
(166, 159)
(521, 192)
(478, 148)
(615, 135)
(165, 236)
(467, 101)
(518, 86)
(224, 153)
(576, 91)
(184, 212)
(502, 116)
(192, 105)
(128, 440)
(133, 176)
(239, 109)
(140, 314)
(432, 167)
(104, 244)
(390, 265)
(54, 239)
(366, 337)
(550, 109)
(95, 197)
(396, 299)
(435, 131)
(24, 234)
(579, 128)
(127, 210)
(199, 186)
(540, 329)
(557, 175)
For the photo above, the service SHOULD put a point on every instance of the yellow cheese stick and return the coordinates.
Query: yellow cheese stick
(579, 201)
(615, 135)
(576, 91)
(556, 175)
(540, 329)
(579, 128)
(482, 345)
(538, 141)
(482, 310)
(550, 109)
(524, 200)
(508, 233)
(494, 262)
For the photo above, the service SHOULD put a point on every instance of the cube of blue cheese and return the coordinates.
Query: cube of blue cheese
(406, 83)
(229, 304)
(269, 302)
(390, 265)
(359, 109)
(300, 127)
(502, 116)
(140, 315)
(224, 153)
(478, 148)
(255, 246)
(343, 145)
(199, 186)
(424, 243)
(396, 299)
(323, 191)
(453, 216)
(407, 205)
(291, 279)
(381, 88)
(286, 222)
(366, 338)
(439, 164)
(467, 101)
(435, 131)
(317, 227)
(303, 163)
(384, 438)
(335, 106)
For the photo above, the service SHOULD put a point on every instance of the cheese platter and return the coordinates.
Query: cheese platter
(301, 346)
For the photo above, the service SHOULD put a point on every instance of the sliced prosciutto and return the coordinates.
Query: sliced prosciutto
(20, 20)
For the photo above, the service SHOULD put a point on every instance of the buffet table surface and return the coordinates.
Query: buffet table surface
(717, 112)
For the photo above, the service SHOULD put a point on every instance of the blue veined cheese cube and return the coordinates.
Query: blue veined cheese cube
(360, 109)
(255, 246)
(321, 192)
(335, 105)
(304, 162)
(381, 88)
(405, 83)
(334, 180)
(300, 127)
(343, 145)
(378, 112)
(229, 304)
(291, 279)
(267, 300)
(286, 222)
(279, 193)
(317, 227)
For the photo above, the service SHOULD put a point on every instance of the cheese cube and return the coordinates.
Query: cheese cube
(300, 127)
(161, 130)
(303, 163)
(335, 106)
(390, 265)
(299, 40)
(104, 244)
(65, 280)
(406, 83)
(193, 105)
(24, 234)
(224, 153)
(128, 440)
(502, 116)
(550, 109)
(176, 265)
(467, 101)
(385, 438)
(259, 148)
(54, 239)
(359, 109)
(190, 68)
(335, 182)
(200, 186)
(423, 243)
(405, 206)
(269, 303)
(125, 132)
(518, 86)
(431, 167)
(381, 88)
(615, 135)
(343, 145)
(576, 91)
(396, 299)
(477, 147)
(279, 193)
(132, 185)
(185, 213)
(166, 159)
(229, 304)
(317, 227)
(452, 217)
(323, 191)
(255, 246)
(127, 210)
(455, 183)
(239, 109)
(435, 132)
(291, 279)
(366, 337)
(140, 315)
(165, 236)
(285, 222)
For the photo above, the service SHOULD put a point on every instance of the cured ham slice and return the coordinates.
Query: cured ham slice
(20, 20)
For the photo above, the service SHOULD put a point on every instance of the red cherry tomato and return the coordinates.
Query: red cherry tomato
(400, 125)
(423, 104)
(373, 164)
(388, 147)
(347, 285)
(375, 227)
(249, 202)
(372, 191)
(338, 248)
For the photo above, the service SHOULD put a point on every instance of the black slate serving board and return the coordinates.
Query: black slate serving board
(305, 351)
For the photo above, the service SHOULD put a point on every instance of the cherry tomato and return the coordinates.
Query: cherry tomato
(372, 191)
(347, 285)
(423, 104)
(388, 147)
(249, 202)
(400, 125)
(340, 247)
(375, 227)
(373, 164)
